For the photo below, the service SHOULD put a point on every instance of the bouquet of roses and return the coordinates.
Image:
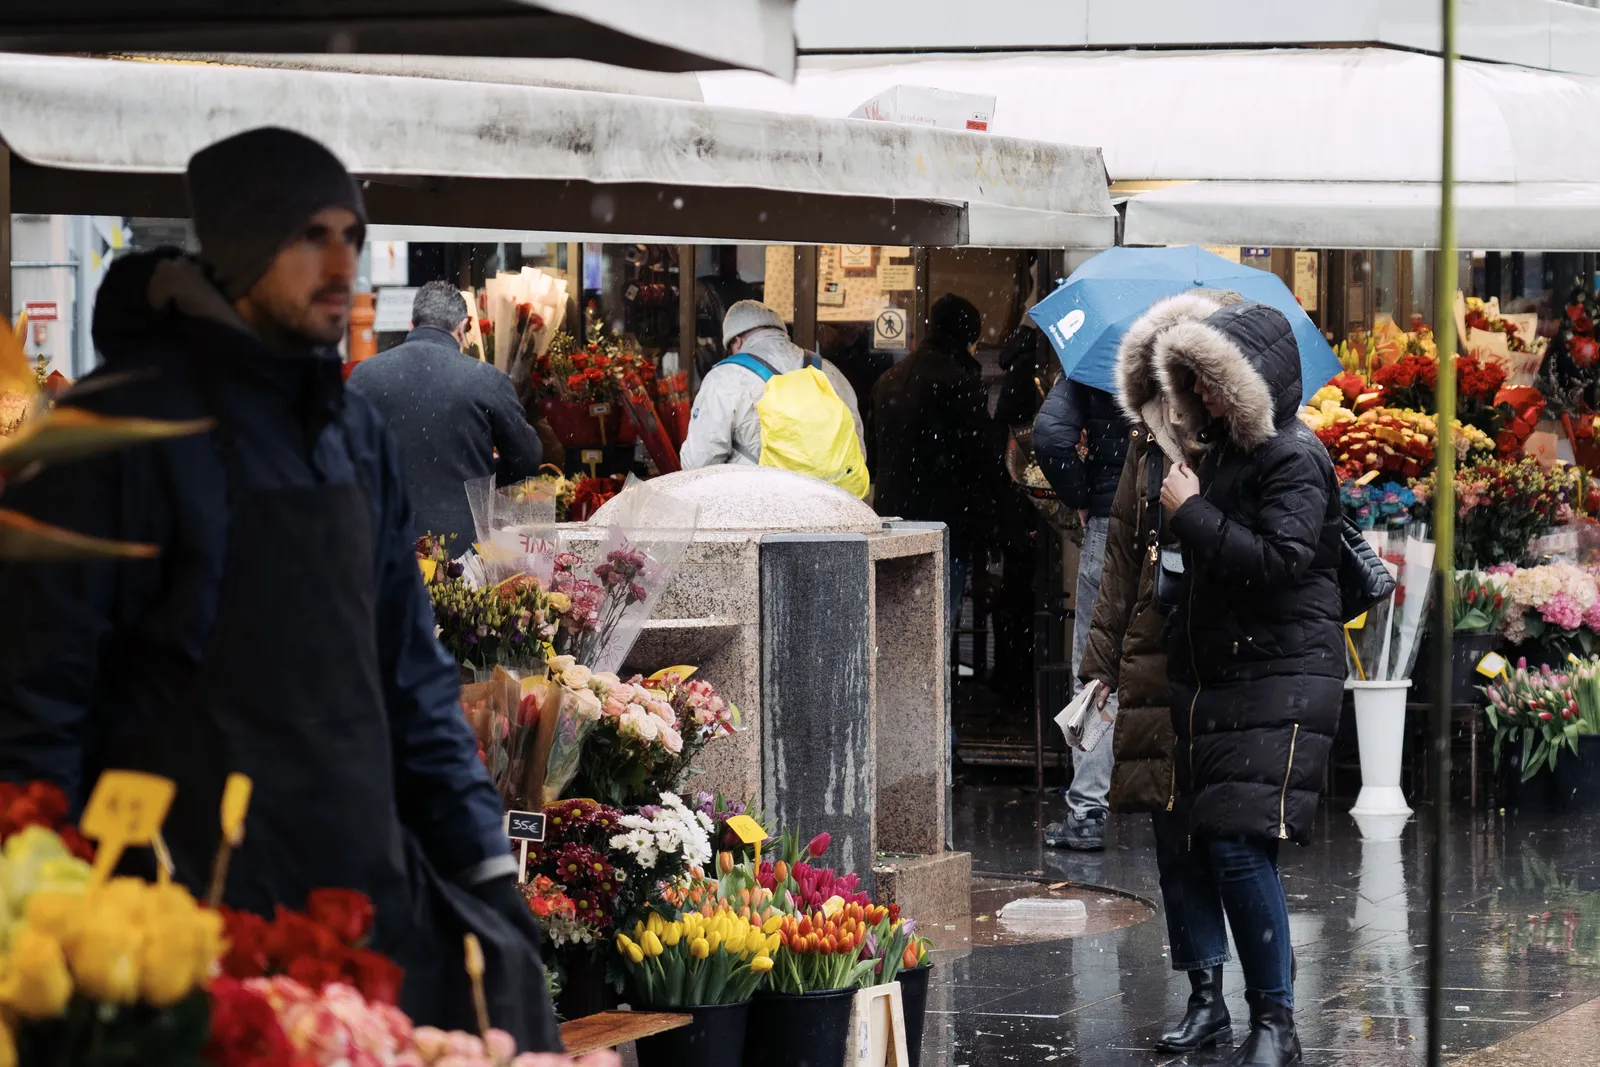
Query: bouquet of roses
(1554, 604)
(634, 750)
(701, 715)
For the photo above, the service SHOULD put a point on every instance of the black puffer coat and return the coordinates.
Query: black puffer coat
(1126, 649)
(1088, 482)
(1256, 659)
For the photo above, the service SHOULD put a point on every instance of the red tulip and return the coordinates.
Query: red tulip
(819, 845)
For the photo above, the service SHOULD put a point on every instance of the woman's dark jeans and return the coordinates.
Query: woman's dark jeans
(1238, 877)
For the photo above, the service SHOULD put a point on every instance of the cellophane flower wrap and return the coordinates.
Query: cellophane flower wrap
(646, 535)
(518, 535)
(582, 694)
(1382, 646)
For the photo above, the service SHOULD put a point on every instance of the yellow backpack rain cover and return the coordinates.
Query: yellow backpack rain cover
(806, 428)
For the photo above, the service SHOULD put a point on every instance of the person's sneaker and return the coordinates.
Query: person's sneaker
(1086, 834)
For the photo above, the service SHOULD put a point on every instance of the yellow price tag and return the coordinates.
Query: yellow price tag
(1366, 479)
(1492, 665)
(429, 567)
(126, 808)
(683, 673)
(235, 802)
(747, 829)
(1357, 623)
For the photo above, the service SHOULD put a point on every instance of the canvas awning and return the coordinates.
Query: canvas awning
(647, 34)
(1325, 147)
(101, 136)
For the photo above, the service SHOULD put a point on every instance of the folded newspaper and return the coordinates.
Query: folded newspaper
(1083, 723)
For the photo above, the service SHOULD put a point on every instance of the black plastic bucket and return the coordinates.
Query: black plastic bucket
(715, 1039)
(914, 999)
(808, 1030)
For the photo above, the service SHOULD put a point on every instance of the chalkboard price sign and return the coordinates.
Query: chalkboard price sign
(525, 826)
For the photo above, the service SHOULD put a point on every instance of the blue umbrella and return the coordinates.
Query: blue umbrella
(1086, 317)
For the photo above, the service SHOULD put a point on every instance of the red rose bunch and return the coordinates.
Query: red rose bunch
(1478, 379)
(325, 944)
(245, 1031)
(25, 804)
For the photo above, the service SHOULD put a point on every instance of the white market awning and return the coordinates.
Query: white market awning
(1546, 216)
(646, 34)
(1326, 147)
(443, 152)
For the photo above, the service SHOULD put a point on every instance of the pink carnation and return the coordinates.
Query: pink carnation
(1563, 611)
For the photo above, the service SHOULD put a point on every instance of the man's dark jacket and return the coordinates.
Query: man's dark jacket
(450, 413)
(92, 652)
(1088, 483)
(938, 454)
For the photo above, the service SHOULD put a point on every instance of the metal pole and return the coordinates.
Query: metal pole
(5, 232)
(1444, 515)
(84, 240)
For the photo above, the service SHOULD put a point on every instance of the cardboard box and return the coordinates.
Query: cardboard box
(920, 105)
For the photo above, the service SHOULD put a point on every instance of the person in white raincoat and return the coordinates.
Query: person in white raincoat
(724, 426)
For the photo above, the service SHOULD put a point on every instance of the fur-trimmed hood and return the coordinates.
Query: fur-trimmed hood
(1247, 354)
(1139, 392)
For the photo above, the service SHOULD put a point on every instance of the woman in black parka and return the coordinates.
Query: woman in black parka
(1254, 646)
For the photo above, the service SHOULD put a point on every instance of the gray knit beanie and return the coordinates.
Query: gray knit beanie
(251, 193)
(749, 315)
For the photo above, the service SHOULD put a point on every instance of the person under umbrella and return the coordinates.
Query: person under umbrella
(283, 632)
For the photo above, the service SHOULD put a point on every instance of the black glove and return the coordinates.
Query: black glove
(507, 900)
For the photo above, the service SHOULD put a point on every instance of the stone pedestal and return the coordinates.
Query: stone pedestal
(826, 626)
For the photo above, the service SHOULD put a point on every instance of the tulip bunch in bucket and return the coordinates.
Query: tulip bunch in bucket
(822, 949)
(711, 956)
(1544, 710)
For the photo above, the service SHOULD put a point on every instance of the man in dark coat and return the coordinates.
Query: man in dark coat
(939, 455)
(1127, 653)
(450, 413)
(1256, 656)
(1074, 413)
(283, 632)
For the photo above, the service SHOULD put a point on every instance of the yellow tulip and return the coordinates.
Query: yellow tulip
(38, 984)
(106, 959)
(58, 914)
(713, 940)
(623, 944)
(166, 972)
(832, 906)
(672, 934)
(654, 925)
(773, 941)
(699, 948)
(8, 1045)
(755, 941)
(772, 924)
(651, 944)
(761, 964)
(635, 953)
(638, 931)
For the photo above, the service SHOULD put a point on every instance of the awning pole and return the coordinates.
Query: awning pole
(1444, 515)
(5, 231)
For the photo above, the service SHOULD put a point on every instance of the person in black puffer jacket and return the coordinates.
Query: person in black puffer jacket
(1088, 484)
(1254, 647)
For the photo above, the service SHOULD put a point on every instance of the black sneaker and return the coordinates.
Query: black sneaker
(1087, 834)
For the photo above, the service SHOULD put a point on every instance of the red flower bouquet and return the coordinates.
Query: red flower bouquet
(25, 804)
(322, 946)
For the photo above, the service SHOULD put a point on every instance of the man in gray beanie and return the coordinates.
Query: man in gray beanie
(284, 632)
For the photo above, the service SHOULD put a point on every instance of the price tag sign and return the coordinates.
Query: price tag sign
(525, 826)
(592, 456)
(1357, 623)
(126, 808)
(750, 832)
(597, 410)
(428, 566)
(235, 803)
(1492, 666)
(683, 673)
(1366, 479)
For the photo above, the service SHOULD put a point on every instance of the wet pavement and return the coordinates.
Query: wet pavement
(1523, 934)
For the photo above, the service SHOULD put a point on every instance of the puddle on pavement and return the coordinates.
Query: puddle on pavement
(1034, 912)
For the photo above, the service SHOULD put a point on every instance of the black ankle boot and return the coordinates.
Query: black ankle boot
(1272, 1041)
(1206, 1022)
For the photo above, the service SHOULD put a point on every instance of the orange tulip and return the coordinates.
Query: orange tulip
(911, 956)
(780, 872)
(725, 862)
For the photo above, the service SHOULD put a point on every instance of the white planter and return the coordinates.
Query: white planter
(1381, 810)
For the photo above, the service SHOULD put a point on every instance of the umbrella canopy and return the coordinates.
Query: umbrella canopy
(1086, 317)
(707, 35)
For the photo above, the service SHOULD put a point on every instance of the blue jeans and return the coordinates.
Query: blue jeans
(1204, 878)
(1091, 771)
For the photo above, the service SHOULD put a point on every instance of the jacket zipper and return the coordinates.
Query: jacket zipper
(1283, 797)
(1189, 628)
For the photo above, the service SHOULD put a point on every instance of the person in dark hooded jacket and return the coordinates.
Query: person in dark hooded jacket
(1255, 655)
(1127, 653)
(283, 632)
